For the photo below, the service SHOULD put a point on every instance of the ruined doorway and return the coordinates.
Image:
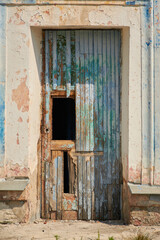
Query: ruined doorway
(81, 161)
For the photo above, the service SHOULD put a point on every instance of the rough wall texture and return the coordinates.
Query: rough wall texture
(144, 210)
(20, 91)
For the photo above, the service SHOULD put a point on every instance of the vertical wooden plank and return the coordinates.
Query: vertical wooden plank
(47, 125)
(117, 90)
(59, 186)
(113, 103)
(92, 189)
(78, 93)
(86, 91)
(96, 132)
(117, 194)
(50, 63)
(43, 137)
(96, 189)
(82, 92)
(100, 123)
(47, 189)
(55, 179)
(96, 90)
(106, 216)
(100, 93)
(54, 56)
(61, 59)
(109, 165)
(84, 171)
(116, 210)
(71, 174)
(109, 193)
(80, 188)
(105, 130)
(88, 187)
(91, 92)
(68, 63)
(73, 58)
(90, 166)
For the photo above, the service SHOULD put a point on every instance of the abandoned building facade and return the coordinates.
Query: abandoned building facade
(80, 110)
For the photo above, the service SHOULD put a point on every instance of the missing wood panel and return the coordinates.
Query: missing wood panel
(66, 173)
(63, 119)
(69, 174)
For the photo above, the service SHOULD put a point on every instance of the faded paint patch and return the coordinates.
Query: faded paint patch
(21, 96)
(17, 18)
(16, 170)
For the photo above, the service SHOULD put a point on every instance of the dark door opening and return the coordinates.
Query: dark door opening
(63, 119)
(69, 174)
(66, 173)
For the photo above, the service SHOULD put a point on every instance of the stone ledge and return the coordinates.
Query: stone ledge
(13, 184)
(144, 189)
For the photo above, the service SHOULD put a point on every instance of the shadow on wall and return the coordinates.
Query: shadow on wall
(36, 36)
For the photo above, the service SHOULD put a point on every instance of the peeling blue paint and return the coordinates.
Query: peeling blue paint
(130, 3)
(18, 1)
(149, 43)
(137, 2)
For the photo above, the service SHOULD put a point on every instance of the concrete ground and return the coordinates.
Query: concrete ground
(74, 230)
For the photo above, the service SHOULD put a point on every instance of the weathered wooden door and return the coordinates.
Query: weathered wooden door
(83, 65)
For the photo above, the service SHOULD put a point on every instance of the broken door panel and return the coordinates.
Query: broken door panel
(56, 183)
(85, 188)
(88, 61)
